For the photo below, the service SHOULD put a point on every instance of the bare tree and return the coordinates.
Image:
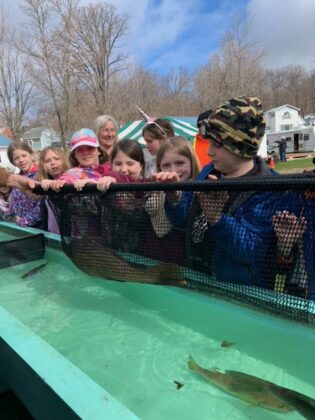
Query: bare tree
(47, 41)
(98, 56)
(16, 90)
(236, 69)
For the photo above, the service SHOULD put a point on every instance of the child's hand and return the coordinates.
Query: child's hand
(212, 205)
(80, 183)
(289, 229)
(56, 185)
(166, 177)
(46, 184)
(173, 197)
(21, 182)
(105, 182)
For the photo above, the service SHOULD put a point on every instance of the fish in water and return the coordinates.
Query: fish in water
(226, 344)
(178, 385)
(33, 271)
(97, 260)
(301, 403)
(246, 387)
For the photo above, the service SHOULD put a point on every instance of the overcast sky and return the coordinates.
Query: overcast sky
(164, 34)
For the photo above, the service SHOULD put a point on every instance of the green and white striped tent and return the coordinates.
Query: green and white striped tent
(133, 129)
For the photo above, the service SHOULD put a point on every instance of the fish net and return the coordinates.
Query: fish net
(249, 240)
(22, 250)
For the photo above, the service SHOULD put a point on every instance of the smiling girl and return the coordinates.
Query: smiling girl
(85, 154)
(164, 241)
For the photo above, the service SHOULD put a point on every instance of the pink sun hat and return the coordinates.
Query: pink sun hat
(83, 137)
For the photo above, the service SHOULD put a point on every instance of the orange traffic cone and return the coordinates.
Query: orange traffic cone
(271, 162)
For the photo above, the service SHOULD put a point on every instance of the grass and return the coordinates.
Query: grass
(296, 165)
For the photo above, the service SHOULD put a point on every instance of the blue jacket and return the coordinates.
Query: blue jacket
(237, 247)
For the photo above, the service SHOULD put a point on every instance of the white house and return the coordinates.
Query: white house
(283, 118)
(40, 137)
(285, 121)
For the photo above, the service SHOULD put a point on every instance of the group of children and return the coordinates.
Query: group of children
(230, 234)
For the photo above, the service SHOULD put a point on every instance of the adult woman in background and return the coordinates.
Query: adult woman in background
(105, 127)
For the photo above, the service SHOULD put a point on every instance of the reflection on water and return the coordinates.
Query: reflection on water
(135, 353)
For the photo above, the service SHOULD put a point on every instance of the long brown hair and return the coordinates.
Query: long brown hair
(160, 129)
(18, 145)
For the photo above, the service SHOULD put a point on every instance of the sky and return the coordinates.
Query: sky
(166, 34)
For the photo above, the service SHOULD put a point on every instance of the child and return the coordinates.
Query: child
(155, 133)
(230, 233)
(126, 209)
(163, 242)
(53, 162)
(24, 210)
(86, 168)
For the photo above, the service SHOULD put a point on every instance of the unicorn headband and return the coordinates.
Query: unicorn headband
(150, 120)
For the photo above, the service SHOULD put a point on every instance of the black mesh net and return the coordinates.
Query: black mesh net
(251, 240)
(22, 250)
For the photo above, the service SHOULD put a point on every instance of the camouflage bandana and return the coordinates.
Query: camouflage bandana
(239, 124)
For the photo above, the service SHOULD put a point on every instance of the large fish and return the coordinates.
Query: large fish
(301, 403)
(33, 271)
(246, 387)
(97, 260)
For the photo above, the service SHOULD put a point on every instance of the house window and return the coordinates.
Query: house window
(306, 137)
(286, 127)
(286, 115)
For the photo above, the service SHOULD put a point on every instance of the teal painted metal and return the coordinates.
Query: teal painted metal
(49, 385)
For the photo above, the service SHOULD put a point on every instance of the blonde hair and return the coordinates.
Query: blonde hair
(42, 172)
(180, 145)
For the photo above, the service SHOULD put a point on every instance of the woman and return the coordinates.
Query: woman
(106, 127)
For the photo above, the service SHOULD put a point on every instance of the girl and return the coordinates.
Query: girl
(25, 210)
(164, 242)
(155, 133)
(53, 162)
(127, 159)
(106, 127)
(126, 209)
(85, 153)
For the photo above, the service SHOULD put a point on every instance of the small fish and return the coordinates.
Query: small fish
(33, 271)
(301, 403)
(226, 344)
(110, 265)
(178, 385)
(246, 387)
